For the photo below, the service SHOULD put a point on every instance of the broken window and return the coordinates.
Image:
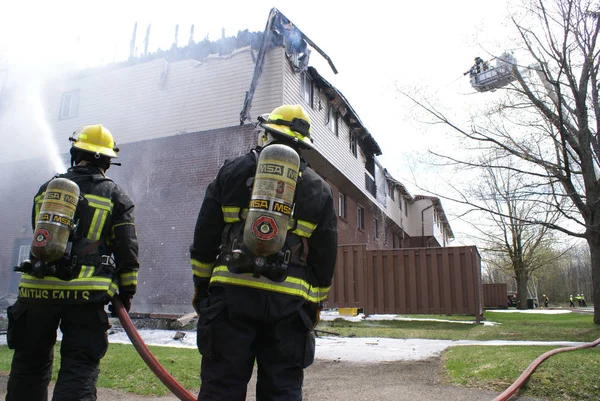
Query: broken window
(332, 122)
(353, 145)
(306, 89)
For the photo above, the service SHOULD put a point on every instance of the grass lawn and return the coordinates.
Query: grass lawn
(566, 376)
(123, 369)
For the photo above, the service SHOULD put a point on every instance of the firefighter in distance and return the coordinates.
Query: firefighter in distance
(84, 250)
(263, 257)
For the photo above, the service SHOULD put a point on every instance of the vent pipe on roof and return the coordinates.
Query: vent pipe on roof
(176, 34)
(132, 43)
(191, 40)
(147, 40)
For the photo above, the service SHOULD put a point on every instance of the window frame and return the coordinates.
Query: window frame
(360, 218)
(342, 205)
(375, 228)
(354, 144)
(73, 105)
(307, 91)
(333, 117)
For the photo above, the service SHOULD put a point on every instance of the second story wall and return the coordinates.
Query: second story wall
(159, 98)
(334, 147)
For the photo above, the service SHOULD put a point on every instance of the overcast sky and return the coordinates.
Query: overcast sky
(376, 46)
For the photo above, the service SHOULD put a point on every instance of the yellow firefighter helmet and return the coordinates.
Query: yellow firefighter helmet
(95, 139)
(289, 122)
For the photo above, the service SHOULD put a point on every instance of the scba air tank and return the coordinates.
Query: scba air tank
(55, 220)
(272, 199)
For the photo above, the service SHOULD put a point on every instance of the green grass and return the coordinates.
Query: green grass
(567, 376)
(511, 326)
(123, 369)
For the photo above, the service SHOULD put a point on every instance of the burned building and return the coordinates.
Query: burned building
(176, 119)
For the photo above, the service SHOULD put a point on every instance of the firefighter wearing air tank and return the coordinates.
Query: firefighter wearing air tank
(263, 257)
(84, 250)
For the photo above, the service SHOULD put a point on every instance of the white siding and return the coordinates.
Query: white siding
(160, 98)
(336, 149)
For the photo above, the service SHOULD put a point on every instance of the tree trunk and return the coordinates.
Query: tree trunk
(522, 279)
(594, 244)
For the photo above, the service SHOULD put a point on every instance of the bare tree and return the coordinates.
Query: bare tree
(511, 243)
(555, 105)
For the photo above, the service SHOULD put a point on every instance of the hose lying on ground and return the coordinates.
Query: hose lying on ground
(529, 371)
(155, 366)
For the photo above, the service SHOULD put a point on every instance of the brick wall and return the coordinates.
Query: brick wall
(166, 179)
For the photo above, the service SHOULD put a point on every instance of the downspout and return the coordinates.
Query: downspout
(423, 224)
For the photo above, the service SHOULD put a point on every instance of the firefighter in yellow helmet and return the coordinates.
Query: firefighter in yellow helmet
(258, 299)
(71, 291)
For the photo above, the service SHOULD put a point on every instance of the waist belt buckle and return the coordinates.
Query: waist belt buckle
(106, 260)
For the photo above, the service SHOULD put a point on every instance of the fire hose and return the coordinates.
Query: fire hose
(155, 366)
(529, 371)
(181, 393)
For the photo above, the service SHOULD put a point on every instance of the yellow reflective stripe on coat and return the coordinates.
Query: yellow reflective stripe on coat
(38, 204)
(129, 278)
(290, 286)
(103, 207)
(231, 214)
(53, 283)
(202, 270)
(86, 271)
(112, 289)
(303, 228)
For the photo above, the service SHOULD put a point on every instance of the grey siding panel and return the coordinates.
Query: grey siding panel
(334, 148)
(159, 98)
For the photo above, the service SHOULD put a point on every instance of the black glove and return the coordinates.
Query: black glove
(25, 267)
(125, 298)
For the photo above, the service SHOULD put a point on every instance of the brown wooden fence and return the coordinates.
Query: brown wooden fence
(445, 281)
(495, 296)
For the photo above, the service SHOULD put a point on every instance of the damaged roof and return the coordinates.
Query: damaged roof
(365, 139)
(437, 204)
(397, 184)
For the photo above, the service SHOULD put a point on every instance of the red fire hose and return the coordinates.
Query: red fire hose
(160, 372)
(529, 371)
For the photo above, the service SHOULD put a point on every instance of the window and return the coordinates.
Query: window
(342, 205)
(23, 253)
(396, 242)
(400, 202)
(360, 218)
(370, 184)
(306, 89)
(375, 228)
(332, 121)
(353, 145)
(406, 207)
(70, 105)
(391, 190)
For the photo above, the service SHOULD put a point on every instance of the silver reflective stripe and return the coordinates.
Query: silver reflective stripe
(53, 283)
(231, 214)
(304, 228)
(202, 270)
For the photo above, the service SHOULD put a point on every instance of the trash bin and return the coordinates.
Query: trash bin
(530, 303)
